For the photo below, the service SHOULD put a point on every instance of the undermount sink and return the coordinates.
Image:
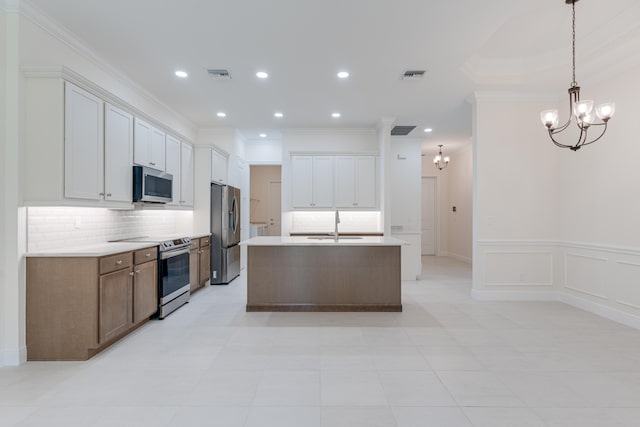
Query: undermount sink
(332, 238)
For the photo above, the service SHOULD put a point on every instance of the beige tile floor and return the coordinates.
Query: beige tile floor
(445, 361)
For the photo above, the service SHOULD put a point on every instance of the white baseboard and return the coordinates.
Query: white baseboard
(461, 258)
(601, 310)
(508, 295)
(13, 357)
(575, 301)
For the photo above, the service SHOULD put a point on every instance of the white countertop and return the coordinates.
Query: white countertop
(97, 250)
(305, 241)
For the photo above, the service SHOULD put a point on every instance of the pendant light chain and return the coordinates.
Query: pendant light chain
(573, 65)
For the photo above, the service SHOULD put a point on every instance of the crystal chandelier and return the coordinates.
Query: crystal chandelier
(439, 161)
(582, 111)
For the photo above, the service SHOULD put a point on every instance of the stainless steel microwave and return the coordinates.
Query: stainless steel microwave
(150, 185)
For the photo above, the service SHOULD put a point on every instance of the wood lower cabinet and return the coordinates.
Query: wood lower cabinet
(115, 297)
(200, 263)
(78, 306)
(145, 290)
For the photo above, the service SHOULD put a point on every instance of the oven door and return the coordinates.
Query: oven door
(173, 275)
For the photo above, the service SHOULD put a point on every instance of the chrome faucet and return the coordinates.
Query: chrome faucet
(335, 233)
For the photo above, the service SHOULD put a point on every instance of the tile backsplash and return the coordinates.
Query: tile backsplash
(59, 227)
(323, 222)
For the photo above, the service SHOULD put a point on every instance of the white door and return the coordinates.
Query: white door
(274, 226)
(428, 216)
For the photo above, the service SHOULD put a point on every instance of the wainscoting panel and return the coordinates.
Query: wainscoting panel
(587, 274)
(628, 284)
(520, 268)
(601, 279)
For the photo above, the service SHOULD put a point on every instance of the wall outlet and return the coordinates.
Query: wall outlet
(215, 274)
(77, 222)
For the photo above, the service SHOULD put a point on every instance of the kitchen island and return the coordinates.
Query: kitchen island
(319, 273)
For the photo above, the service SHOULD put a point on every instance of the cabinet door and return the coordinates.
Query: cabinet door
(141, 143)
(205, 264)
(83, 144)
(173, 167)
(194, 270)
(186, 175)
(157, 149)
(118, 154)
(115, 296)
(145, 290)
(345, 182)
(218, 167)
(302, 181)
(322, 182)
(366, 182)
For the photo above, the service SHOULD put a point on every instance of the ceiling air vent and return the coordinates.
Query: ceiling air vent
(219, 74)
(402, 130)
(413, 75)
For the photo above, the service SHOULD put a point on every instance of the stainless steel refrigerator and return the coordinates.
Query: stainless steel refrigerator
(225, 233)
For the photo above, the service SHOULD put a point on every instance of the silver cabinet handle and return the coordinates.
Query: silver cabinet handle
(100, 194)
(138, 271)
(108, 194)
(119, 262)
(131, 273)
(152, 164)
(147, 255)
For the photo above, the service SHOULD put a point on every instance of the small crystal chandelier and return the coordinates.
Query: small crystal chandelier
(439, 161)
(581, 110)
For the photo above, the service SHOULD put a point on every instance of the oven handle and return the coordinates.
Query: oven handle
(171, 254)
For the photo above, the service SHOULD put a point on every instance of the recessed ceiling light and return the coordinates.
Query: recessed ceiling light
(278, 115)
(221, 114)
(343, 74)
(335, 115)
(182, 74)
(262, 75)
(263, 135)
(428, 130)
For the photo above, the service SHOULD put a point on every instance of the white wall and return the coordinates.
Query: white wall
(405, 194)
(330, 141)
(516, 196)
(263, 152)
(3, 142)
(12, 227)
(555, 224)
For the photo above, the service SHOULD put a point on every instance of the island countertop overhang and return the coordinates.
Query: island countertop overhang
(328, 241)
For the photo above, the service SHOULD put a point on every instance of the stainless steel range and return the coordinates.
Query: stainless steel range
(173, 272)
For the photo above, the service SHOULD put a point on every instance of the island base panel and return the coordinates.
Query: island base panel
(312, 278)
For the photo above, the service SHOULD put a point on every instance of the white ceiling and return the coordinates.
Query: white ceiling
(303, 43)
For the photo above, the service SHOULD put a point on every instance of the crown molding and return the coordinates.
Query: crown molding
(58, 31)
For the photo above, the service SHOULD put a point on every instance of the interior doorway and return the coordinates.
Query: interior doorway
(266, 200)
(429, 235)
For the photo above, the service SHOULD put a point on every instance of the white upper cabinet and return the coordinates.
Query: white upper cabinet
(218, 167)
(356, 185)
(118, 154)
(83, 144)
(149, 146)
(312, 178)
(173, 150)
(186, 175)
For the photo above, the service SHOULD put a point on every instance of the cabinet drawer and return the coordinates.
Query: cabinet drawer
(116, 262)
(205, 241)
(145, 255)
(194, 244)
